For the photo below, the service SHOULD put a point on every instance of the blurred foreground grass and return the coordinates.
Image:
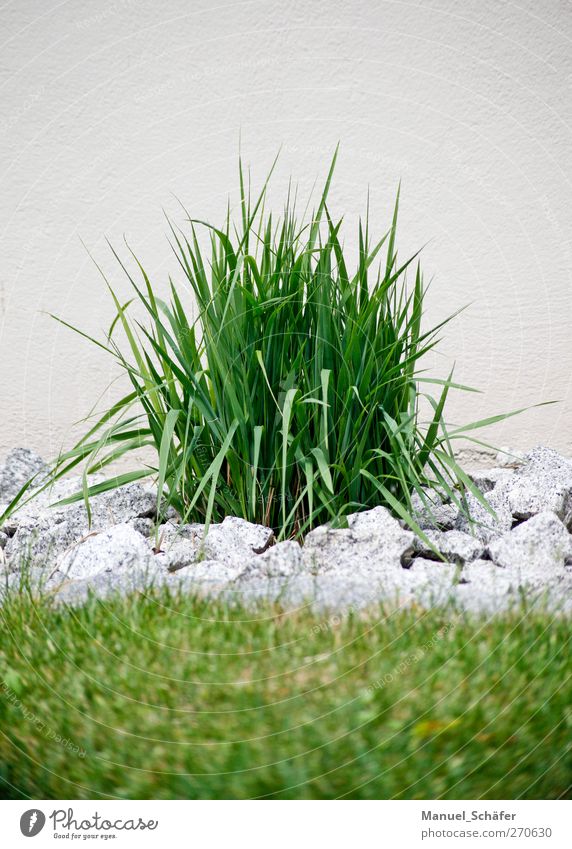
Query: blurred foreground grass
(169, 696)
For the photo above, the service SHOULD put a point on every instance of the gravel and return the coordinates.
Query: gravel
(522, 546)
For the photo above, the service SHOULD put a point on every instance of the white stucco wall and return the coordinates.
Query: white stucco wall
(110, 108)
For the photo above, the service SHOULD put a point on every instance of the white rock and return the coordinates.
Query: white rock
(172, 534)
(486, 588)
(177, 546)
(539, 545)
(123, 582)
(378, 524)
(433, 513)
(42, 540)
(142, 526)
(44, 502)
(427, 583)
(210, 571)
(432, 569)
(487, 479)
(183, 553)
(118, 549)
(279, 561)
(48, 532)
(20, 465)
(374, 541)
(485, 526)
(234, 541)
(542, 482)
(455, 546)
(39, 580)
(487, 577)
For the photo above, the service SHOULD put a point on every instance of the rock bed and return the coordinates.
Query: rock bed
(524, 549)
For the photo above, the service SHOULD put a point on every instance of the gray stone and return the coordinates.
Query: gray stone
(234, 541)
(118, 549)
(181, 554)
(379, 524)
(209, 571)
(208, 577)
(144, 527)
(433, 513)
(490, 589)
(103, 585)
(486, 588)
(40, 541)
(380, 527)
(483, 525)
(45, 532)
(171, 534)
(373, 542)
(454, 546)
(486, 576)
(280, 561)
(39, 580)
(132, 501)
(478, 587)
(336, 570)
(45, 500)
(542, 482)
(433, 569)
(20, 465)
(487, 479)
(539, 545)
(339, 591)
(435, 582)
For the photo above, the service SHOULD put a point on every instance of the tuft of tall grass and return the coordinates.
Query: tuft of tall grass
(294, 397)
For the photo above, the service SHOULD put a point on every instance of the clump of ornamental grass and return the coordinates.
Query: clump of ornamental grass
(294, 397)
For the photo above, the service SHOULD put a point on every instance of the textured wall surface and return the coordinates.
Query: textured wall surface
(110, 109)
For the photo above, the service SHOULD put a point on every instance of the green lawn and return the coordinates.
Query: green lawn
(174, 697)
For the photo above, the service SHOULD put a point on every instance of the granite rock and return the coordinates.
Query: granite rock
(20, 465)
(433, 513)
(373, 542)
(540, 545)
(118, 549)
(454, 546)
(542, 482)
(484, 525)
(45, 532)
(487, 479)
(280, 561)
(234, 541)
